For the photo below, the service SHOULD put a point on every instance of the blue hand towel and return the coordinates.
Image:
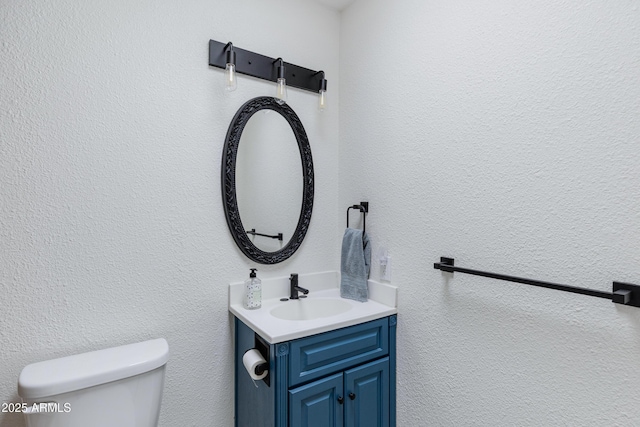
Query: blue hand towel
(354, 265)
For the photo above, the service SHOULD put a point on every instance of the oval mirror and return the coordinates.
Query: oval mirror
(267, 180)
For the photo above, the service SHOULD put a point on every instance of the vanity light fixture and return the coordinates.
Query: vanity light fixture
(231, 83)
(281, 83)
(239, 61)
(322, 93)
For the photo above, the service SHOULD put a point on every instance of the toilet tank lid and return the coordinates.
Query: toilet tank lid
(84, 370)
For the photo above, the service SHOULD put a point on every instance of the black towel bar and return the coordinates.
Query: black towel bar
(254, 233)
(623, 293)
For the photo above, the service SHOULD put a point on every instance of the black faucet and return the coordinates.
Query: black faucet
(295, 288)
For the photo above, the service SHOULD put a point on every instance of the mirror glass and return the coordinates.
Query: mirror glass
(269, 180)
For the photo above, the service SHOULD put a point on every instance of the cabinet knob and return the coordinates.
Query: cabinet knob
(352, 396)
(340, 400)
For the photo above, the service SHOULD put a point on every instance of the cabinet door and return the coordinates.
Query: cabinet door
(318, 404)
(367, 395)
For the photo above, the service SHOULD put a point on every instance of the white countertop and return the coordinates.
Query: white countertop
(382, 302)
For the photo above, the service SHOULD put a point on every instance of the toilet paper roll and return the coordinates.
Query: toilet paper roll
(251, 360)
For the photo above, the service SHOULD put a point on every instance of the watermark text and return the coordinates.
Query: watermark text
(37, 407)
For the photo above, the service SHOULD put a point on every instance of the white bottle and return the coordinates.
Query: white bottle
(252, 291)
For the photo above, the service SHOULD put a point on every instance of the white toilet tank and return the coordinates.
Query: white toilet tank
(120, 386)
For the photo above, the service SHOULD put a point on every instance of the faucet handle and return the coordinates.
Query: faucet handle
(293, 286)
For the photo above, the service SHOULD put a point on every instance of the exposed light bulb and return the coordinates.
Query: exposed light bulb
(322, 100)
(281, 84)
(322, 93)
(281, 91)
(230, 80)
(231, 83)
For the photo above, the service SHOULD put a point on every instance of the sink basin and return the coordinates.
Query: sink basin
(324, 310)
(310, 308)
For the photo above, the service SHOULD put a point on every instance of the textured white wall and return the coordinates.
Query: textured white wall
(112, 228)
(504, 134)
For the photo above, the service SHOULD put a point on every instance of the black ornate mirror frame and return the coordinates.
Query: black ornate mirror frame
(229, 198)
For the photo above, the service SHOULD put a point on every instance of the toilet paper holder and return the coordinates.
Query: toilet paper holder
(261, 345)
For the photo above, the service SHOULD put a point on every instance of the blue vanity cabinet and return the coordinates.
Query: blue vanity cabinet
(316, 404)
(359, 397)
(341, 378)
(367, 395)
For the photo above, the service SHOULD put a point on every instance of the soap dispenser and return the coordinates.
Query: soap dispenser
(252, 291)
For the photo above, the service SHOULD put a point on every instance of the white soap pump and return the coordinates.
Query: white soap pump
(252, 291)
